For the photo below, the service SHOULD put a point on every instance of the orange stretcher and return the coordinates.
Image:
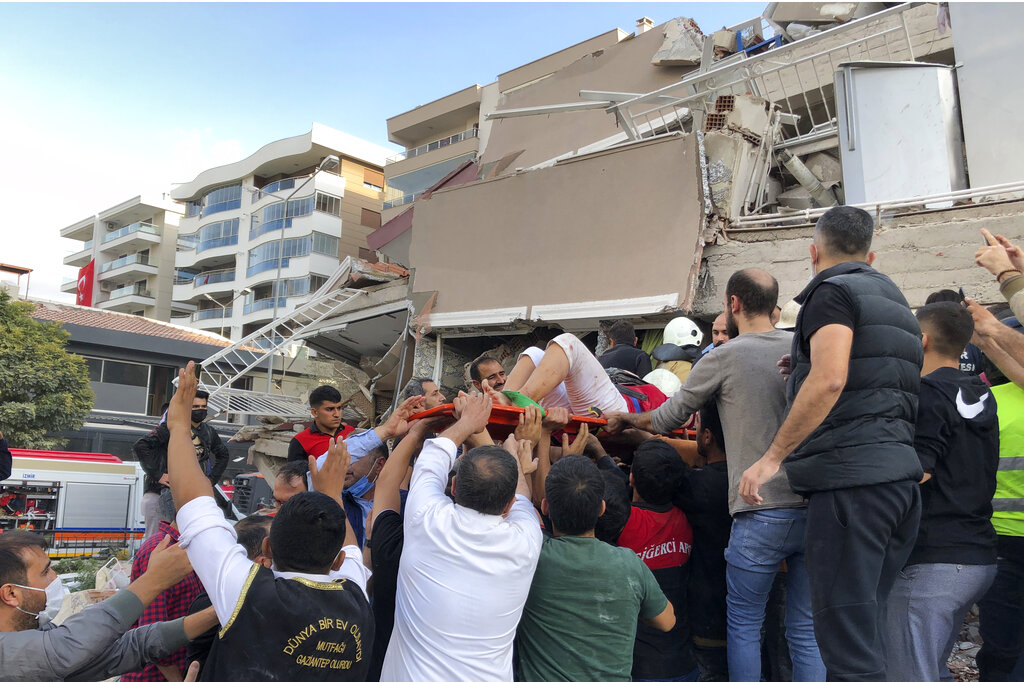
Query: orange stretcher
(505, 418)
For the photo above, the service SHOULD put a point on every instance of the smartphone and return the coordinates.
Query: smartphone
(963, 302)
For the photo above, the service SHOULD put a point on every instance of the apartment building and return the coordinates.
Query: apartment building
(260, 235)
(126, 257)
(443, 134)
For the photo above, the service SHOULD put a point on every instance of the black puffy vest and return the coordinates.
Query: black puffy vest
(868, 437)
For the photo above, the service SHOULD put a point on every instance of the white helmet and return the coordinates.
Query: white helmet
(667, 382)
(683, 331)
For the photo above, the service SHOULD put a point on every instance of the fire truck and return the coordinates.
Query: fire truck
(83, 503)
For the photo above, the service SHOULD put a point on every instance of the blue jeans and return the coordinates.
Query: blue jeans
(926, 608)
(759, 543)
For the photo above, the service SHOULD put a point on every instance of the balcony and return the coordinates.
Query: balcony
(402, 200)
(133, 265)
(432, 118)
(213, 277)
(80, 258)
(80, 231)
(459, 146)
(264, 304)
(134, 235)
(210, 314)
(208, 282)
(69, 285)
(128, 298)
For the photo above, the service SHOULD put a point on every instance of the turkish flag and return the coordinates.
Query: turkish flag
(85, 281)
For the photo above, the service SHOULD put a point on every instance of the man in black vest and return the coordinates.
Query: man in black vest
(848, 441)
(306, 618)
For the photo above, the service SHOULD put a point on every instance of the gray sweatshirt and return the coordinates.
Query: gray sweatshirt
(742, 377)
(93, 644)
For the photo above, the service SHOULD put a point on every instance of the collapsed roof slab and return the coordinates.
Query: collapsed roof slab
(621, 225)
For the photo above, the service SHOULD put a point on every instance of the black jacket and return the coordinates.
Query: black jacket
(6, 460)
(151, 451)
(868, 437)
(629, 358)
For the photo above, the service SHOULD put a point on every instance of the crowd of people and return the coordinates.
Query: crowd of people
(849, 488)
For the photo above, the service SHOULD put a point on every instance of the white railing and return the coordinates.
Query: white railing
(432, 146)
(801, 86)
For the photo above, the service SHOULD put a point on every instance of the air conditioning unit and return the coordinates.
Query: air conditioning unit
(111, 226)
(109, 286)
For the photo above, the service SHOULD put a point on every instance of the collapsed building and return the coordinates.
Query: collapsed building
(630, 175)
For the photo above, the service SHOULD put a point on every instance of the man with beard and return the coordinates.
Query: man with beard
(743, 380)
(96, 643)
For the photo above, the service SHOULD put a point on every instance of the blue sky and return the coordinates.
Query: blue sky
(104, 101)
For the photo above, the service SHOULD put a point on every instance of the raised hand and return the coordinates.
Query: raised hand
(496, 396)
(578, 445)
(617, 422)
(1013, 251)
(557, 418)
(168, 564)
(994, 256)
(474, 411)
(985, 323)
(329, 479)
(179, 411)
(398, 423)
(529, 428)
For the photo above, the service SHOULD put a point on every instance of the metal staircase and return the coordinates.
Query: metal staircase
(220, 373)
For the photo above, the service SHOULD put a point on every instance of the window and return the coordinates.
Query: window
(264, 257)
(325, 203)
(370, 218)
(223, 199)
(325, 244)
(373, 179)
(95, 366)
(125, 373)
(224, 233)
(274, 216)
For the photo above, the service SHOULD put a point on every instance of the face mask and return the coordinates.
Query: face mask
(198, 416)
(55, 593)
(360, 487)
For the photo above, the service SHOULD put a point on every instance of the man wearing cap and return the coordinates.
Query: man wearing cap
(742, 379)
(848, 441)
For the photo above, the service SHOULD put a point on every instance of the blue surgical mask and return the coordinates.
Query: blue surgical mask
(360, 487)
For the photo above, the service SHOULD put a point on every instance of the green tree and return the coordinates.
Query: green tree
(43, 388)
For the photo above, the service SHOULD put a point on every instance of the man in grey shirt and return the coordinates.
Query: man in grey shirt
(96, 643)
(743, 379)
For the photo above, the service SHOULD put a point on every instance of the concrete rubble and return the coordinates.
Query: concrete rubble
(683, 44)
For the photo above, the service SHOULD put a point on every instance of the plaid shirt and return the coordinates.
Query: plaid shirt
(172, 603)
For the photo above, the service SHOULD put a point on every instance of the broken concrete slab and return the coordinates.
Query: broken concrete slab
(826, 168)
(683, 44)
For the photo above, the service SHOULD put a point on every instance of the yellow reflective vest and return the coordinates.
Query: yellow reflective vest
(1008, 502)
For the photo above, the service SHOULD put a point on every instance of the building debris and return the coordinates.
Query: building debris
(683, 45)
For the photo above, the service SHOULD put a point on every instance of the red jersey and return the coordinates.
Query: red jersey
(661, 539)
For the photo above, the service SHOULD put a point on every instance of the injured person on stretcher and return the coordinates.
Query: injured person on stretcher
(567, 374)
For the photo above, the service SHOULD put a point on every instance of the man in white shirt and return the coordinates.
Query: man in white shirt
(466, 566)
(308, 618)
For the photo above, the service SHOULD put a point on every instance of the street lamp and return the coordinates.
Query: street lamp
(329, 162)
(224, 307)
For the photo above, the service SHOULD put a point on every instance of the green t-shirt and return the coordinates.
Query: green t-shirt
(580, 618)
